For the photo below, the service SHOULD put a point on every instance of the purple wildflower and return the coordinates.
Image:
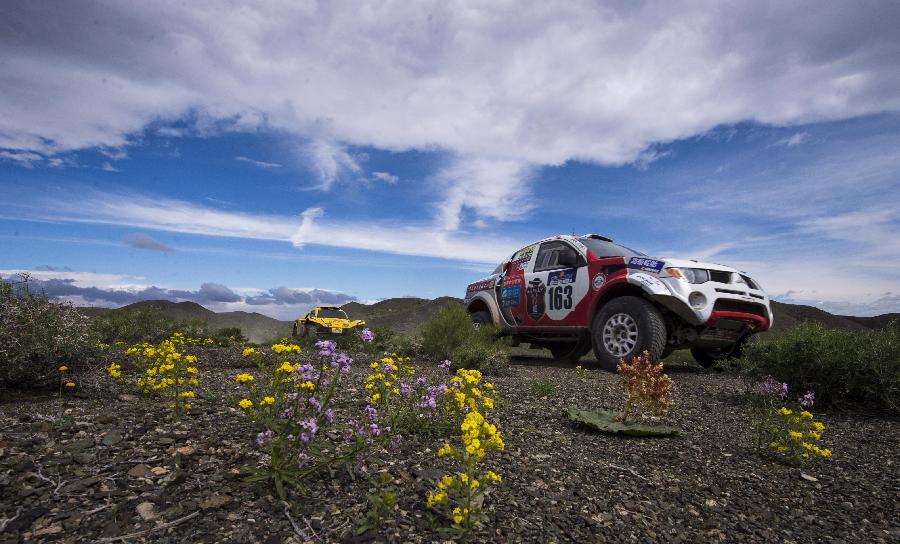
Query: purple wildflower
(405, 389)
(329, 415)
(315, 404)
(374, 429)
(773, 388)
(808, 399)
(421, 381)
(326, 348)
(371, 413)
(366, 335)
(262, 439)
(445, 364)
(343, 362)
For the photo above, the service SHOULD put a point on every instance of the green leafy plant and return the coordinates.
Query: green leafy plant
(608, 421)
(542, 387)
(842, 366)
(382, 501)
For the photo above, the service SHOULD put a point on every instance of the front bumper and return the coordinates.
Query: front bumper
(726, 304)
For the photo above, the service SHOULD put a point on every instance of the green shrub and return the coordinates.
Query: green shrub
(542, 387)
(841, 366)
(483, 351)
(446, 332)
(37, 336)
(147, 324)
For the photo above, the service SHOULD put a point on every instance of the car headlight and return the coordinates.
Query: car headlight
(690, 275)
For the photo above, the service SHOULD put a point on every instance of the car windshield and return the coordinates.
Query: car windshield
(332, 312)
(602, 248)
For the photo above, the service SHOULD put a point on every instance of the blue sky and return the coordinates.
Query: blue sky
(267, 158)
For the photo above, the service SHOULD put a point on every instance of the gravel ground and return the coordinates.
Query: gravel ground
(109, 466)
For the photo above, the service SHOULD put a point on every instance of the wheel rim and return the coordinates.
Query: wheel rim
(620, 334)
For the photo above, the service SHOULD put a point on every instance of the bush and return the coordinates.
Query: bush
(446, 332)
(148, 324)
(841, 366)
(37, 336)
(481, 351)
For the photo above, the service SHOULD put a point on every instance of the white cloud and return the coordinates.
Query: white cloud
(385, 177)
(23, 158)
(490, 188)
(795, 139)
(532, 85)
(310, 227)
(331, 162)
(260, 164)
(107, 167)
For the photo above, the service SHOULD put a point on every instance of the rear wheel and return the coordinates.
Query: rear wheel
(710, 357)
(294, 331)
(570, 352)
(626, 327)
(479, 319)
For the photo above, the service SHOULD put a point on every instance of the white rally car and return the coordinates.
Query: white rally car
(572, 293)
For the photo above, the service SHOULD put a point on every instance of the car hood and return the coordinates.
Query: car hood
(690, 263)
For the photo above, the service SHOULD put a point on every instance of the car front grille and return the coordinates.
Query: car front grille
(727, 305)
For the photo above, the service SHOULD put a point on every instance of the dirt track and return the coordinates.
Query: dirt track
(78, 470)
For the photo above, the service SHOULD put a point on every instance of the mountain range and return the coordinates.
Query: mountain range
(404, 315)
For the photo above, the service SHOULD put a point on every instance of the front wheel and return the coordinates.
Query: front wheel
(624, 328)
(311, 332)
(710, 357)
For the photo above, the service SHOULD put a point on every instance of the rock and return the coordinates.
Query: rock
(165, 440)
(81, 485)
(84, 458)
(808, 478)
(185, 450)
(54, 529)
(215, 501)
(140, 471)
(159, 471)
(112, 438)
(106, 418)
(125, 397)
(146, 511)
(80, 445)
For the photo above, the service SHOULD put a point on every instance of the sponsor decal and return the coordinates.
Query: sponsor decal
(562, 277)
(520, 258)
(534, 298)
(645, 264)
(509, 296)
(480, 286)
(653, 284)
(599, 281)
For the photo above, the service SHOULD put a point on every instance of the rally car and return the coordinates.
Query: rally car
(324, 321)
(571, 294)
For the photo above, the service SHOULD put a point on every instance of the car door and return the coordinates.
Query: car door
(510, 289)
(555, 283)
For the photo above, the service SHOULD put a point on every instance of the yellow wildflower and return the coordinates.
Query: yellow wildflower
(244, 378)
(70, 384)
(63, 368)
(245, 403)
(268, 400)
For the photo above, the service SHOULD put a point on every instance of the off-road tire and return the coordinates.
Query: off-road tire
(480, 318)
(708, 358)
(649, 332)
(294, 331)
(311, 331)
(570, 352)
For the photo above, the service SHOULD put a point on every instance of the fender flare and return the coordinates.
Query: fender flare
(491, 305)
